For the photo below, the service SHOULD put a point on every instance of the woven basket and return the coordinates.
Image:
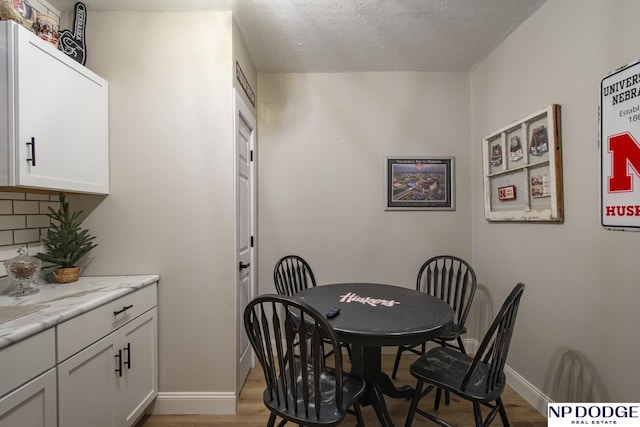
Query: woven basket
(67, 275)
(7, 12)
(19, 11)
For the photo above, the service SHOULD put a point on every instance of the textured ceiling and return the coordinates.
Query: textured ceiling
(357, 35)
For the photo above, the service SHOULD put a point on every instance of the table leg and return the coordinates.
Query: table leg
(367, 362)
(375, 396)
(388, 388)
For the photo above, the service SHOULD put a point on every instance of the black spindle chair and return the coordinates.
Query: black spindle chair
(291, 275)
(452, 280)
(302, 386)
(479, 379)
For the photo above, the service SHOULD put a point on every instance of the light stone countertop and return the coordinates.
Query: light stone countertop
(64, 302)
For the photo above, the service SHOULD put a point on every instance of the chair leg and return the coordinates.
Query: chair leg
(503, 412)
(477, 414)
(414, 404)
(447, 395)
(436, 404)
(447, 399)
(358, 411)
(461, 345)
(397, 362)
(272, 420)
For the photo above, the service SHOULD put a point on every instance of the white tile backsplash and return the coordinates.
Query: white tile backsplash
(26, 236)
(37, 221)
(6, 207)
(12, 222)
(10, 195)
(26, 207)
(23, 222)
(6, 237)
(38, 196)
(45, 205)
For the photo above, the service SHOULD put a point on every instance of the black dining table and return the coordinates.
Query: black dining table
(372, 316)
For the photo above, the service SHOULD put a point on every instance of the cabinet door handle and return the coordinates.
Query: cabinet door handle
(125, 308)
(33, 151)
(119, 363)
(128, 361)
(243, 266)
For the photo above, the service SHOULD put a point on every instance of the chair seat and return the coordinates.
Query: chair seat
(451, 332)
(446, 367)
(330, 414)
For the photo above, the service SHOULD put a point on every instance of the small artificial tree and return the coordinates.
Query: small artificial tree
(66, 241)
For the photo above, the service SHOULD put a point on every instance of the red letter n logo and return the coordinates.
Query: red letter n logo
(625, 152)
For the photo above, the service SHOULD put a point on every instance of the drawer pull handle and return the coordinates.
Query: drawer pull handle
(125, 308)
(127, 363)
(119, 363)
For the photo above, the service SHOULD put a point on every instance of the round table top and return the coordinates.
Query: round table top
(378, 315)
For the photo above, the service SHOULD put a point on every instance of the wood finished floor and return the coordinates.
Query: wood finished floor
(252, 412)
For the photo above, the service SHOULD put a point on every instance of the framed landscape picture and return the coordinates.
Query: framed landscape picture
(419, 183)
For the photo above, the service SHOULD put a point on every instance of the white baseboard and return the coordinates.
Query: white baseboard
(524, 388)
(225, 403)
(204, 403)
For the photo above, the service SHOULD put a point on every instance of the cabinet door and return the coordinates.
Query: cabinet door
(138, 385)
(111, 382)
(33, 404)
(62, 108)
(86, 386)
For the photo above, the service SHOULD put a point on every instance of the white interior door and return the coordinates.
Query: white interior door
(244, 130)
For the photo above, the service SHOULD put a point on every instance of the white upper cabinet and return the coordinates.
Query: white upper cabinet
(55, 122)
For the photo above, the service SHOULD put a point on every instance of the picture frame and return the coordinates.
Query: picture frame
(522, 166)
(419, 183)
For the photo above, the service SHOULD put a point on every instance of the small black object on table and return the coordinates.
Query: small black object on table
(375, 315)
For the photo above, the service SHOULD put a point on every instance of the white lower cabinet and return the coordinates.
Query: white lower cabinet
(32, 405)
(112, 381)
(28, 382)
(138, 385)
(87, 384)
(98, 369)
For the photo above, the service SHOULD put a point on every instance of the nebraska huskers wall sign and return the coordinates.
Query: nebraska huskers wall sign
(620, 148)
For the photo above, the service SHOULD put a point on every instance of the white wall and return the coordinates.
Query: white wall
(170, 210)
(579, 314)
(323, 139)
(241, 54)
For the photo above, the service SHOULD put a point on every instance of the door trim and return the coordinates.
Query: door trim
(241, 109)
